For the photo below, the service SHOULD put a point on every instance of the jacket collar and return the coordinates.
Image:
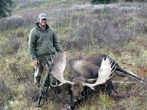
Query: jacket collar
(40, 29)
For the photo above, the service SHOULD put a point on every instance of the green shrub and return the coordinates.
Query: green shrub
(5, 7)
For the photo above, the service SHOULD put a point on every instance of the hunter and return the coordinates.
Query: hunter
(43, 45)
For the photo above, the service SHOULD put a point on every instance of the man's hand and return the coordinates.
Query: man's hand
(36, 62)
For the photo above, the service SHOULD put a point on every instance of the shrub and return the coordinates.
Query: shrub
(105, 33)
(11, 22)
(31, 93)
(102, 1)
(9, 46)
(135, 0)
(5, 8)
(106, 28)
(5, 94)
(109, 1)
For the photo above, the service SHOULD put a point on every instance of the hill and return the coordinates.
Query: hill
(118, 29)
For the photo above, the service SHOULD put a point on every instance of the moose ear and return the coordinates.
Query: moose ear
(106, 57)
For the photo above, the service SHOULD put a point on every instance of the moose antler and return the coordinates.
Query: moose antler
(59, 67)
(104, 73)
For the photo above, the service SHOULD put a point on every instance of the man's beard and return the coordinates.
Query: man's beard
(43, 24)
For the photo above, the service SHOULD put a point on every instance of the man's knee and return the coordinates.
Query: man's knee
(37, 74)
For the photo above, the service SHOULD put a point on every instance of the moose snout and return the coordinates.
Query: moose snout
(75, 99)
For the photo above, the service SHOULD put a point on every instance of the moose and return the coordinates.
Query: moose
(88, 72)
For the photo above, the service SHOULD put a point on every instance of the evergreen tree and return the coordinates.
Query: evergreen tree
(5, 8)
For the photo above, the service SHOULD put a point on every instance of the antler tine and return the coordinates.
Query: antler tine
(104, 73)
(113, 67)
(59, 67)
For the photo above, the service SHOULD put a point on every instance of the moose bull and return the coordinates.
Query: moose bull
(88, 71)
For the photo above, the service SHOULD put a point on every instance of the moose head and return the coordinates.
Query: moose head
(105, 73)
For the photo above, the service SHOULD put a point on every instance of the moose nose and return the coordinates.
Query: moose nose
(75, 99)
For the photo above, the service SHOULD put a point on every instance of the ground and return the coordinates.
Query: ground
(82, 29)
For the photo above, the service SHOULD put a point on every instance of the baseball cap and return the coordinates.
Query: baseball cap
(42, 16)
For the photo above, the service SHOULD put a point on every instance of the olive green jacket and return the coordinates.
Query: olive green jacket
(43, 43)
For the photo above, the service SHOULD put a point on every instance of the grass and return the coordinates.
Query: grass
(22, 59)
(17, 68)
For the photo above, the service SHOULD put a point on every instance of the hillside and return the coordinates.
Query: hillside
(118, 30)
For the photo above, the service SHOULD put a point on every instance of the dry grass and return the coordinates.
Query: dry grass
(87, 31)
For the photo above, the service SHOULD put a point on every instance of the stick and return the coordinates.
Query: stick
(124, 82)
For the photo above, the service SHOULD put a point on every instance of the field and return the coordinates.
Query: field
(118, 30)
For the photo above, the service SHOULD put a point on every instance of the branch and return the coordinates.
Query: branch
(124, 82)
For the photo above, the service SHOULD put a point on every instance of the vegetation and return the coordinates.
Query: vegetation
(5, 8)
(81, 32)
(111, 1)
(102, 1)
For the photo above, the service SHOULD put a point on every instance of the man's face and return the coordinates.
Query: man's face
(43, 22)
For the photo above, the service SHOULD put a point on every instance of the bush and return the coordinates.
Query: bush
(105, 33)
(5, 94)
(11, 22)
(16, 21)
(109, 1)
(5, 8)
(143, 12)
(9, 46)
(135, 0)
(107, 28)
(102, 1)
(31, 93)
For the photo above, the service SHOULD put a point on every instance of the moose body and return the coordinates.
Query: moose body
(88, 72)
(86, 67)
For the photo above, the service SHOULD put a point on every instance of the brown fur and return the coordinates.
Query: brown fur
(86, 67)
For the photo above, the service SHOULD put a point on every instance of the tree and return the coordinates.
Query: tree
(5, 8)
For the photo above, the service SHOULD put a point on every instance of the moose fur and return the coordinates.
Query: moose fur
(87, 67)
(88, 71)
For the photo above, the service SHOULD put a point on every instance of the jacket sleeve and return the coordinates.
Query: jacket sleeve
(32, 44)
(56, 43)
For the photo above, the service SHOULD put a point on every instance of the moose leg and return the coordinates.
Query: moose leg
(73, 103)
(86, 92)
(70, 93)
(39, 99)
(122, 72)
(110, 88)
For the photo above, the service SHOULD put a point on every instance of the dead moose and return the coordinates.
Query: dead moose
(88, 72)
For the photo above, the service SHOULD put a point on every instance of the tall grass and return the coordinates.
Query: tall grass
(81, 32)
